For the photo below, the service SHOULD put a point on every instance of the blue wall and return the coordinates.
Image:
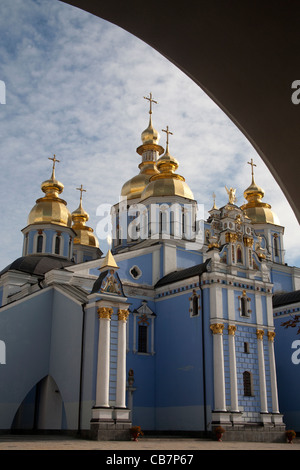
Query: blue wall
(287, 353)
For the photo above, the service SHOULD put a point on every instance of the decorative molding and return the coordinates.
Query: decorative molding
(271, 335)
(260, 334)
(123, 314)
(231, 330)
(217, 328)
(105, 312)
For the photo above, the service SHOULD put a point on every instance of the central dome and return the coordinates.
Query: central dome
(166, 182)
(149, 150)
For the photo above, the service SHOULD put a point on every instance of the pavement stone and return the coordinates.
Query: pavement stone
(159, 445)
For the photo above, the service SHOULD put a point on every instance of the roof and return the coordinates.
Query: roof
(183, 274)
(286, 299)
(37, 264)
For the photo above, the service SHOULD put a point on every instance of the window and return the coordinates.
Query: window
(276, 247)
(244, 306)
(143, 329)
(57, 245)
(143, 338)
(247, 382)
(239, 254)
(194, 304)
(135, 272)
(246, 348)
(39, 244)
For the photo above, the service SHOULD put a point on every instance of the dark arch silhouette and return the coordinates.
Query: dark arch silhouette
(243, 54)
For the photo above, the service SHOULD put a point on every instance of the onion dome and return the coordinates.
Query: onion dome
(84, 234)
(149, 150)
(167, 182)
(258, 212)
(51, 208)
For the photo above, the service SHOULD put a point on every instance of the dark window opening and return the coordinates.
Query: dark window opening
(143, 339)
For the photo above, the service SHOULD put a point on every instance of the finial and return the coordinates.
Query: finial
(214, 199)
(54, 159)
(252, 165)
(81, 191)
(150, 101)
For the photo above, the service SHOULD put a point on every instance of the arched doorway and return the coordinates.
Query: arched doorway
(41, 409)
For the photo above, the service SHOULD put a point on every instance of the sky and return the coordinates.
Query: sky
(75, 87)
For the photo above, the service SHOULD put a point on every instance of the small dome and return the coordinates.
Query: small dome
(84, 234)
(150, 135)
(258, 212)
(50, 208)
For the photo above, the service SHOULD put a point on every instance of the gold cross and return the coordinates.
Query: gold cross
(81, 191)
(252, 165)
(54, 159)
(167, 132)
(150, 101)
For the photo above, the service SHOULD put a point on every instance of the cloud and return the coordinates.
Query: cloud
(75, 87)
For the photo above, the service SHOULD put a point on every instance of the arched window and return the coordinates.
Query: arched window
(57, 245)
(39, 244)
(195, 305)
(239, 254)
(276, 245)
(244, 306)
(247, 382)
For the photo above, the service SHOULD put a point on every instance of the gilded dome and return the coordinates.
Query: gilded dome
(167, 182)
(149, 150)
(258, 212)
(84, 234)
(150, 135)
(50, 208)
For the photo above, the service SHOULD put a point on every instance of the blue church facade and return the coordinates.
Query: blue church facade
(178, 328)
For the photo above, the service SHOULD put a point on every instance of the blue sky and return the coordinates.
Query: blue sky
(74, 87)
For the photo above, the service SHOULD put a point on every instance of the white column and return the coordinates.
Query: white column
(275, 406)
(219, 378)
(262, 374)
(232, 365)
(102, 388)
(121, 361)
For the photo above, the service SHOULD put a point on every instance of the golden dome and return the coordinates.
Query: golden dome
(150, 135)
(134, 187)
(166, 182)
(258, 212)
(84, 234)
(50, 208)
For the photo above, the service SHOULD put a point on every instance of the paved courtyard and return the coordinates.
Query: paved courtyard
(23, 442)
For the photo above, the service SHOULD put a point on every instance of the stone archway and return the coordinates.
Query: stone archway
(41, 409)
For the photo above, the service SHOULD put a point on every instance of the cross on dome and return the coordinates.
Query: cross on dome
(54, 160)
(252, 165)
(167, 132)
(150, 101)
(81, 191)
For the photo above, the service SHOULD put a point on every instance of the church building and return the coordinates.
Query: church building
(182, 326)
